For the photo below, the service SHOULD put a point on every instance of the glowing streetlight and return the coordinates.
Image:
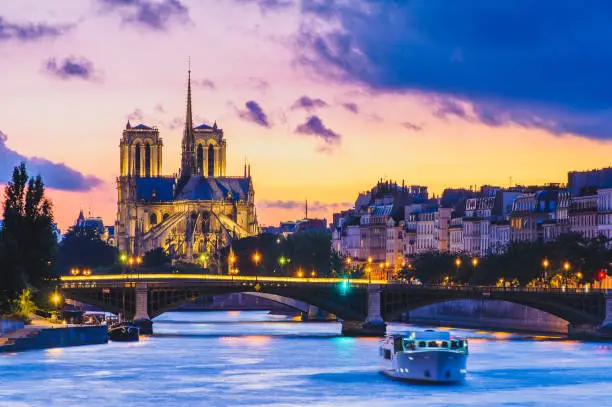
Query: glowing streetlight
(545, 264)
(370, 259)
(256, 258)
(348, 261)
(458, 262)
(131, 261)
(566, 266)
(313, 273)
(300, 273)
(56, 298)
(475, 261)
(123, 258)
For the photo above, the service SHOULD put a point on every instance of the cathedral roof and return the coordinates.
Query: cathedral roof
(155, 188)
(142, 127)
(204, 127)
(217, 188)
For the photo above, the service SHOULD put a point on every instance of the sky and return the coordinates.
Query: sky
(321, 97)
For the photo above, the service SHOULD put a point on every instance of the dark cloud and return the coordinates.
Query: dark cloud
(136, 116)
(254, 113)
(71, 67)
(152, 14)
(55, 175)
(308, 103)
(542, 64)
(351, 107)
(412, 126)
(29, 31)
(315, 206)
(269, 5)
(315, 127)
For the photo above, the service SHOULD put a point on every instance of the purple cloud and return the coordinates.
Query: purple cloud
(30, 31)
(155, 15)
(254, 113)
(412, 126)
(315, 127)
(269, 5)
(71, 67)
(351, 107)
(308, 103)
(446, 107)
(206, 83)
(538, 64)
(55, 175)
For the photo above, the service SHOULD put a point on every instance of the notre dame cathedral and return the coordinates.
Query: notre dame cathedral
(197, 211)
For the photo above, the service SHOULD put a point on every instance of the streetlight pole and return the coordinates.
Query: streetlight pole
(458, 264)
(545, 264)
(474, 264)
(370, 260)
(566, 268)
(256, 260)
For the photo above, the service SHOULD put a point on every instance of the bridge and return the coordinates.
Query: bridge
(364, 306)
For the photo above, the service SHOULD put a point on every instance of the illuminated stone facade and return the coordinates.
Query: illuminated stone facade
(195, 212)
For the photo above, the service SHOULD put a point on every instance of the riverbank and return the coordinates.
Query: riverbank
(49, 335)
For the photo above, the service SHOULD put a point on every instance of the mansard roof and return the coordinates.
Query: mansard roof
(215, 188)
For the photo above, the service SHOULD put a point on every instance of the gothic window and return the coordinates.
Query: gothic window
(152, 219)
(211, 160)
(137, 160)
(147, 159)
(200, 159)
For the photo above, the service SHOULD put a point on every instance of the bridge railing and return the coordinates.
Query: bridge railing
(491, 289)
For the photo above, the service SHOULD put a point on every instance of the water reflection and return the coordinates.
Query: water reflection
(251, 358)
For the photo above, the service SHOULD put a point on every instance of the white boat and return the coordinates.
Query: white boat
(427, 356)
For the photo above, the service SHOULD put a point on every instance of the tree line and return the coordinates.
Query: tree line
(572, 259)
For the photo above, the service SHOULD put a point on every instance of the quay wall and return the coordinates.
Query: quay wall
(492, 314)
(59, 337)
(8, 326)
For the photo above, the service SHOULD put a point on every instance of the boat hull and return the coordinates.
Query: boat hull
(437, 366)
(124, 333)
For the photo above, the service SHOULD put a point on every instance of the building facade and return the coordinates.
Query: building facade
(196, 211)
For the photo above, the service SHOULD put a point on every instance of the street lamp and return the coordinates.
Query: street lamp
(566, 268)
(256, 259)
(545, 264)
(475, 262)
(300, 273)
(313, 274)
(457, 264)
(56, 298)
(232, 261)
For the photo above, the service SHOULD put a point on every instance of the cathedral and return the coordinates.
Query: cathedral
(192, 214)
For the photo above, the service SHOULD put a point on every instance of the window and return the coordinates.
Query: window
(148, 160)
(153, 219)
(200, 159)
(422, 344)
(137, 160)
(211, 160)
(433, 344)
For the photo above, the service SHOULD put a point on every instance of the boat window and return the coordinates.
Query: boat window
(410, 345)
(433, 344)
(387, 354)
(422, 344)
(444, 344)
(454, 345)
(397, 345)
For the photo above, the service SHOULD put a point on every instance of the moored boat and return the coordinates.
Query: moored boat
(426, 356)
(123, 331)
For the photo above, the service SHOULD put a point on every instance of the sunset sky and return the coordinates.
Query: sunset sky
(321, 97)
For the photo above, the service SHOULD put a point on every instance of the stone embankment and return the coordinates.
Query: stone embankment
(45, 335)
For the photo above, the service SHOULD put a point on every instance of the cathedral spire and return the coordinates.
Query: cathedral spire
(188, 166)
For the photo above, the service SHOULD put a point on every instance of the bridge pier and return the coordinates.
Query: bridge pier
(374, 325)
(141, 314)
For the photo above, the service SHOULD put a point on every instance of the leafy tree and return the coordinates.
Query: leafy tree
(24, 306)
(156, 257)
(28, 242)
(82, 247)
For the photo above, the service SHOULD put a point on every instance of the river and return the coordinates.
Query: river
(252, 358)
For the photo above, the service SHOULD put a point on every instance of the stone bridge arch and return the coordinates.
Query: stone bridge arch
(575, 308)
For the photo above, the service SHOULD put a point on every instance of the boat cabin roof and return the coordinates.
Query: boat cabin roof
(424, 335)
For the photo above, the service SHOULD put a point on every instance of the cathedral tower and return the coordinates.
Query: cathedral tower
(140, 152)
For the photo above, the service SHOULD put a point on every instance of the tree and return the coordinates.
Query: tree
(28, 240)
(156, 257)
(82, 247)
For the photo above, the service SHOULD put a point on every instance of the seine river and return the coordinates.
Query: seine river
(252, 358)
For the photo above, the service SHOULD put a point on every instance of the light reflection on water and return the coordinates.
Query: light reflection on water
(251, 358)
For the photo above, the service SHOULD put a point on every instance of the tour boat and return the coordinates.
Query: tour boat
(427, 356)
(123, 331)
